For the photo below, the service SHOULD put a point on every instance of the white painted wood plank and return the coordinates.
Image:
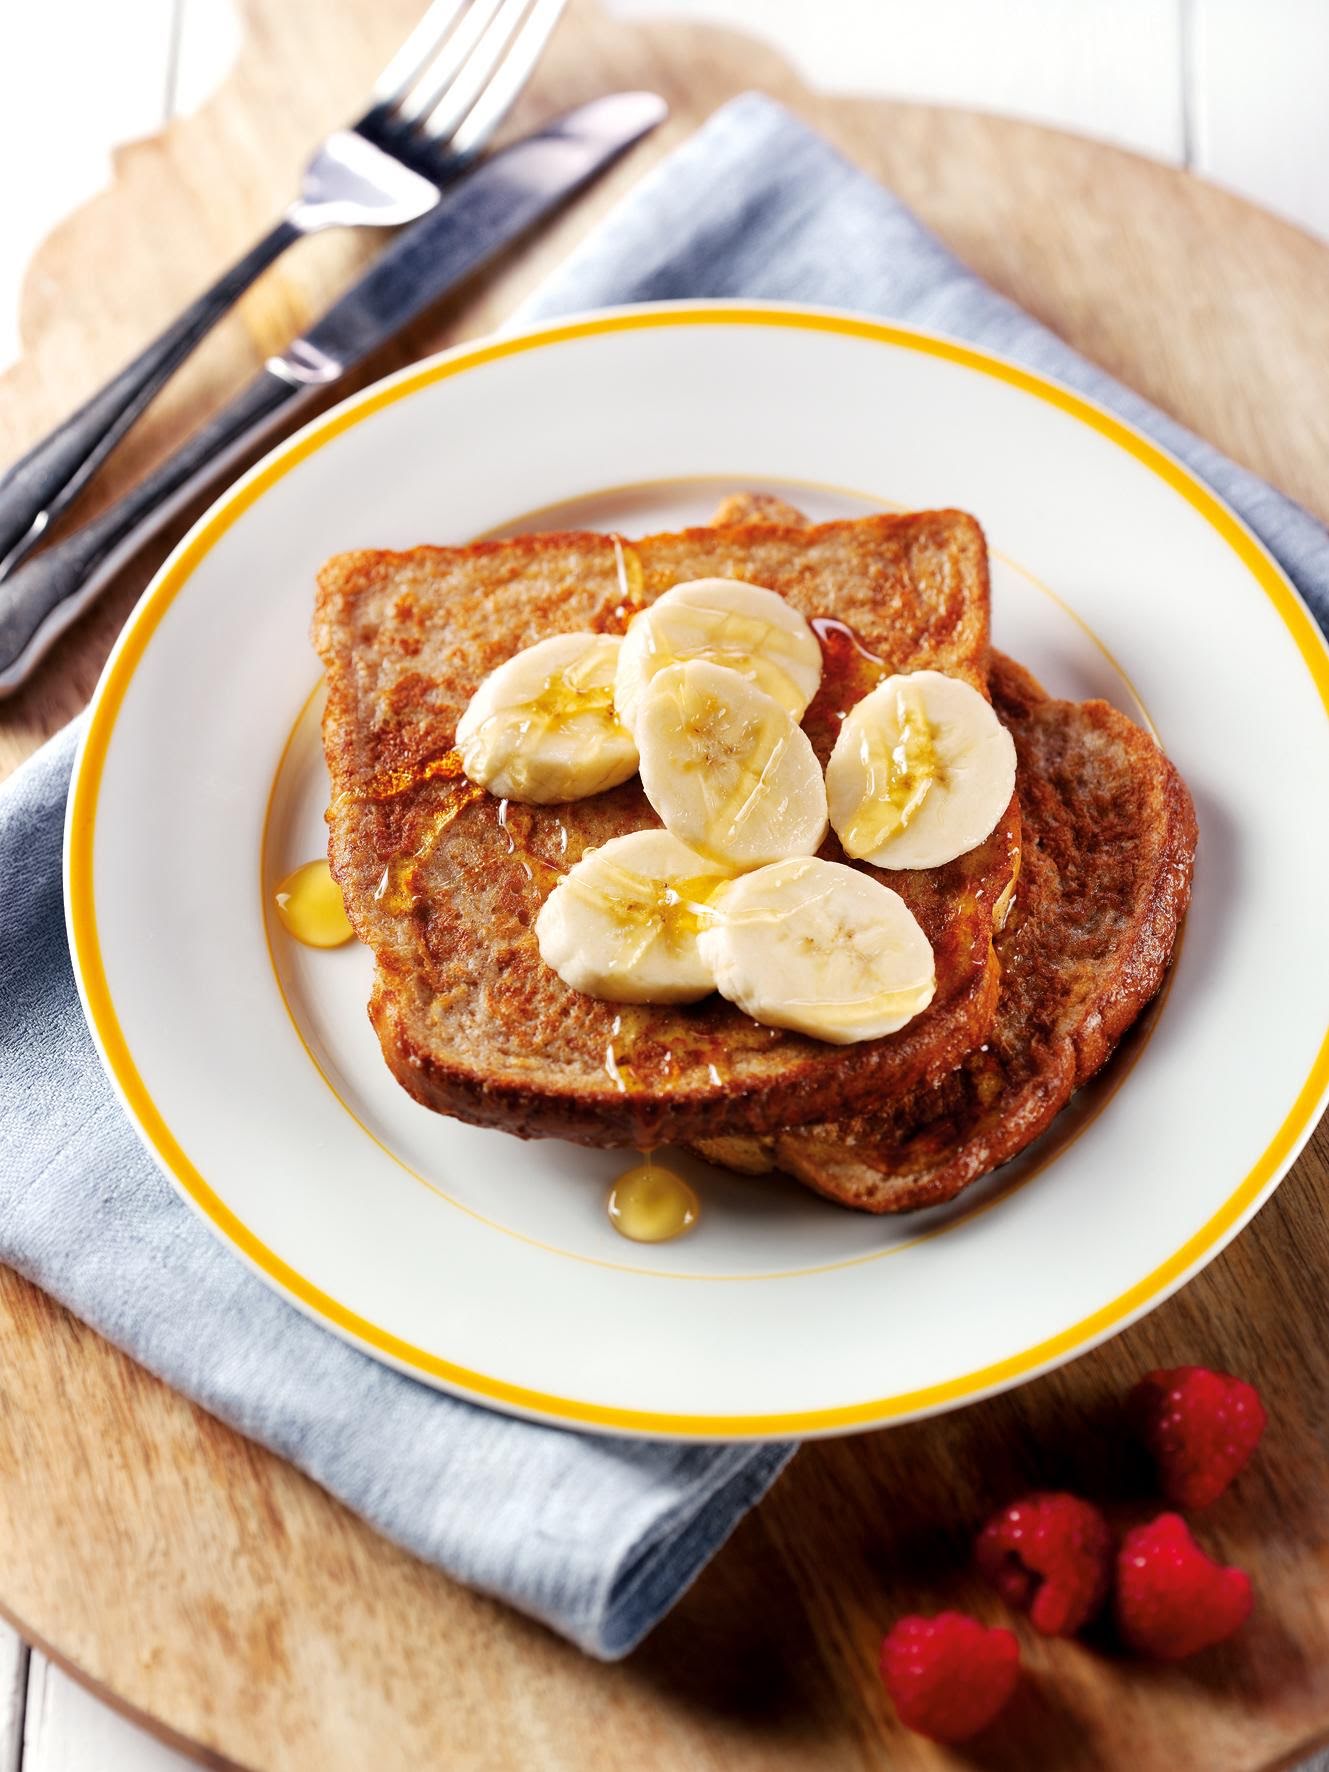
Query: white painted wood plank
(68, 1730)
(1258, 78)
(13, 1684)
(77, 77)
(1108, 68)
(207, 42)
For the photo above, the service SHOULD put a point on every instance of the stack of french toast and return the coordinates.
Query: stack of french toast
(520, 981)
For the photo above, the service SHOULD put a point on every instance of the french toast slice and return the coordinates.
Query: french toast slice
(444, 883)
(1109, 838)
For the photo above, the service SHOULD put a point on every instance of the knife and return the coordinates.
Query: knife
(475, 220)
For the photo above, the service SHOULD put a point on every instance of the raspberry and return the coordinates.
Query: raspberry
(948, 1675)
(1173, 1600)
(1201, 1428)
(1050, 1555)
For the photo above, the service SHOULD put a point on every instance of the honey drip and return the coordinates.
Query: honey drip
(837, 636)
(756, 649)
(631, 587)
(518, 824)
(631, 577)
(849, 668)
(651, 1204)
(446, 767)
(646, 1073)
(618, 1069)
(1007, 904)
(636, 1078)
(309, 903)
(750, 760)
(1001, 910)
(899, 777)
(398, 890)
(504, 740)
(648, 909)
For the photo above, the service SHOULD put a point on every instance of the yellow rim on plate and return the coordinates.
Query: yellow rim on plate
(81, 832)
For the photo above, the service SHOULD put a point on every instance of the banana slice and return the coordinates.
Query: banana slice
(542, 727)
(745, 627)
(921, 772)
(727, 768)
(623, 924)
(820, 948)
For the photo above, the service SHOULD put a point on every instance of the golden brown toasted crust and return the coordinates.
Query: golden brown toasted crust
(1109, 842)
(444, 883)
(757, 507)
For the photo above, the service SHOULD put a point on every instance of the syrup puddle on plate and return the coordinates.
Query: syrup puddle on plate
(310, 906)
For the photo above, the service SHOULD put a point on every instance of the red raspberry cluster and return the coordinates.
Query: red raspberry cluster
(1052, 1555)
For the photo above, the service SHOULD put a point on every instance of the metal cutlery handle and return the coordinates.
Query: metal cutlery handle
(496, 204)
(42, 596)
(45, 479)
(433, 110)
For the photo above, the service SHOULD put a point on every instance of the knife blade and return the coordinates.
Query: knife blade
(506, 196)
(502, 199)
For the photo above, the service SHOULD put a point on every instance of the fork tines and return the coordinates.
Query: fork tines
(452, 82)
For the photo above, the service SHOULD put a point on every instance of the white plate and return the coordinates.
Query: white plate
(488, 1266)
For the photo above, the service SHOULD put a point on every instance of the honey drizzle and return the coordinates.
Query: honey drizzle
(1008, 910)
(1005, 905)
(850, 669)
(834, 633)
(900, 777)
(654, 909)
(753, 760)
(645, 1074)
(625, 1073)
(618, 1070)
(519, 845)
(631, 586)
(446, 766)
(564, 696)
(751, 645)
(398, 888)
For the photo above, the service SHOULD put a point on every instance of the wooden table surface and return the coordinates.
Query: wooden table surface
(199, 1581)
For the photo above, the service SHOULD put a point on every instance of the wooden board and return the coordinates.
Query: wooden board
(200, 1581)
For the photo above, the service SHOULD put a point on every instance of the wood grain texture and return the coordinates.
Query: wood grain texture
(196, 1578)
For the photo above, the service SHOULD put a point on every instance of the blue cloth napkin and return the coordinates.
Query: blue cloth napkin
(597, 1537)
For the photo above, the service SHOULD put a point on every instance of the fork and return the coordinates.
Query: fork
(431, 112)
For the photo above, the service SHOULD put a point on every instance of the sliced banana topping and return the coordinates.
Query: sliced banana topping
(624, 923)
(729, 771)
(542, 727)
(820, 948)
(726, 622)
(921, 772)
